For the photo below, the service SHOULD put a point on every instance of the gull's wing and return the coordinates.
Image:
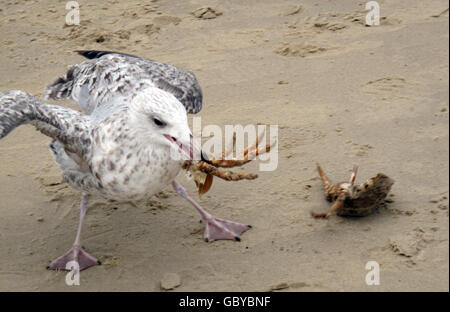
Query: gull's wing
(70, 127)
(107, 76)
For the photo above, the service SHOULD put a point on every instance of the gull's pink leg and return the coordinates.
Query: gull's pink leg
(76, 253)
(215, 228)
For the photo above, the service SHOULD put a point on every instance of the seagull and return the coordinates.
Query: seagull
(121, 146)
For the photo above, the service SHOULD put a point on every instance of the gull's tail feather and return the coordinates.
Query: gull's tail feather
(62, 87)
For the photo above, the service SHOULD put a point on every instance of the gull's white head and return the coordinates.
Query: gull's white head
(160, 119)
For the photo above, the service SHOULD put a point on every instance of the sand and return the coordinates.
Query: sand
(341, 94)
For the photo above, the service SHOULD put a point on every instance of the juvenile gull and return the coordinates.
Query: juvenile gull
(135, 113)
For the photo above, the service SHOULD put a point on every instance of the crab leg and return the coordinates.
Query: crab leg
(255, 144)
(353, 176)
(228, 163)
(324, 178)
(230, 148)
(337, 204)
(224, 174)
(249, 153)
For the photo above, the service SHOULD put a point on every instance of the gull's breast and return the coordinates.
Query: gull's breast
(134, 174)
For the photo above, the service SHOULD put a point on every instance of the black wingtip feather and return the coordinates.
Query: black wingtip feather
(93, 54)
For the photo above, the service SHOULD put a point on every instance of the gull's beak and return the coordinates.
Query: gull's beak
(198, 149)
(192, 150)
(204, 157)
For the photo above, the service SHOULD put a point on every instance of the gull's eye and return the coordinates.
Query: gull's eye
(159, 122)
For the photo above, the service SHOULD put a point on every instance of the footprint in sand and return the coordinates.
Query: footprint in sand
(320, 34)
(441, 204)
(301, 49)
(411, 245)
(356, 149)
(385, 84)
(206, 13)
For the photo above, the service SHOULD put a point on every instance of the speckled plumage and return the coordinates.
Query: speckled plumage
(122, 147)
(17, 107)
(110, 74)
(109, 150)
(117, 154)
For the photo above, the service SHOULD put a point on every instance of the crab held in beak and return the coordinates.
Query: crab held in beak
(203, 170)
(190, 150)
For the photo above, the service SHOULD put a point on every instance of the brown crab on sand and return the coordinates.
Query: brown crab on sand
(354, 200)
